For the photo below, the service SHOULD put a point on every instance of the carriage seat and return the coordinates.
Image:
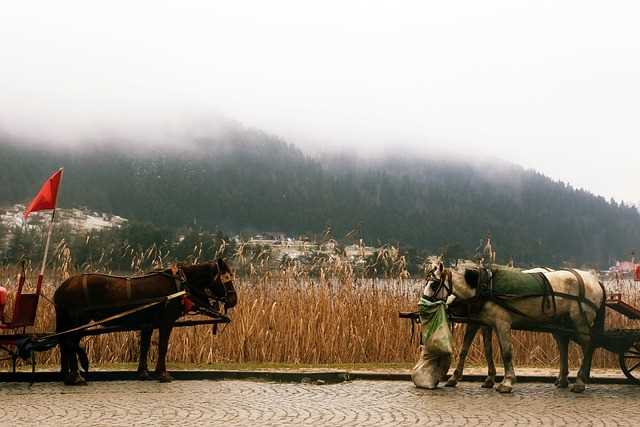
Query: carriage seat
(24, 311)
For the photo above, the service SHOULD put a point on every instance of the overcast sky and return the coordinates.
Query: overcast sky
(551, 85)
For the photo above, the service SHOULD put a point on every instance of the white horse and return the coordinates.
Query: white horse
(578, 311)
(471, 329)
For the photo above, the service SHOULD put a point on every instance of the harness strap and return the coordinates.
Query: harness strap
(548, 294)
(577, 298)
(581, 293)
(502, 303)
(442, 283)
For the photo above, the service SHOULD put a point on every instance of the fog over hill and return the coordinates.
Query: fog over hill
(240, 179)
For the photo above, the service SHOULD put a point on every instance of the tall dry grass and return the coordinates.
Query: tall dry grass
(330, 316)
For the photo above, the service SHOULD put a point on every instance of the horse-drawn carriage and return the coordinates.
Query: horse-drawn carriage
(570, 292)
(94, 304)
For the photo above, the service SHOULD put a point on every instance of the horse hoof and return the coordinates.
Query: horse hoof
(577, 388)
(562, 383)
(451, 383)
(501, 388)
(144, 376)
(165, 378)
(76, 380)
(488, 384)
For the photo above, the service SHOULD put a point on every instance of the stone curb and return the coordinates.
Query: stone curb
(276, 376)
(386, 376)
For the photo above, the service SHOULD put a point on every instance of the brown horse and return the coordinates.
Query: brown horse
(86, 297)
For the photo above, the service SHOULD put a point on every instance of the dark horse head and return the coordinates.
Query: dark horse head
(210, 281)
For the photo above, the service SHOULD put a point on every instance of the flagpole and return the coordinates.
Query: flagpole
(46, 246)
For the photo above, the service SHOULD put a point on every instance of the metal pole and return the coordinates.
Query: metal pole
(46, 246)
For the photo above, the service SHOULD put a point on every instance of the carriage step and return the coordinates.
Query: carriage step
(615, 303)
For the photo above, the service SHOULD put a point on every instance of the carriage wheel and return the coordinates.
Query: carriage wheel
(630, 362)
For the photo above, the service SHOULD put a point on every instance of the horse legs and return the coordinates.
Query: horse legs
(71, 345)
(503, 331)
(584, 373)
(490, 381)
(163, 344)
(469, 335)
(563, 347)
(145, 342)
(64, 360)
(61, 325)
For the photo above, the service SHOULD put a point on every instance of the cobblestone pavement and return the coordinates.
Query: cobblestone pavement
(229, 403)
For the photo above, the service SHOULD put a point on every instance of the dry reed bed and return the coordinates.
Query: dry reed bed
(298, 318)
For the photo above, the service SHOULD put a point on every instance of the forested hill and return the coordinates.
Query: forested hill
(247, 180)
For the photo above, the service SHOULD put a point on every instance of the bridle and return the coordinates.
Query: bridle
(442, 282)
(202, 298)
(225, 277)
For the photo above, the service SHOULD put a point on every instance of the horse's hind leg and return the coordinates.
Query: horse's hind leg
(503, 331)
(64, 360)
(469, 335)
(563, 348)
(163, 344)
(145, 342)
(71, 348)
(585, 368)
(490, 381)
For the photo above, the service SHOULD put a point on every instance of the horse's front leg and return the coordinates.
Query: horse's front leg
(503, 331)
(163, 344)
(469, 335)
(563, 348)
(145, 342)
(490, 381)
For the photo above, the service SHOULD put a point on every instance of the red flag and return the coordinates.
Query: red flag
(47, 196)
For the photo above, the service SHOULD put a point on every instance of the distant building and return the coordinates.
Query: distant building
(359, 250)
(283, 246)
(624, 266)
(76, 219)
